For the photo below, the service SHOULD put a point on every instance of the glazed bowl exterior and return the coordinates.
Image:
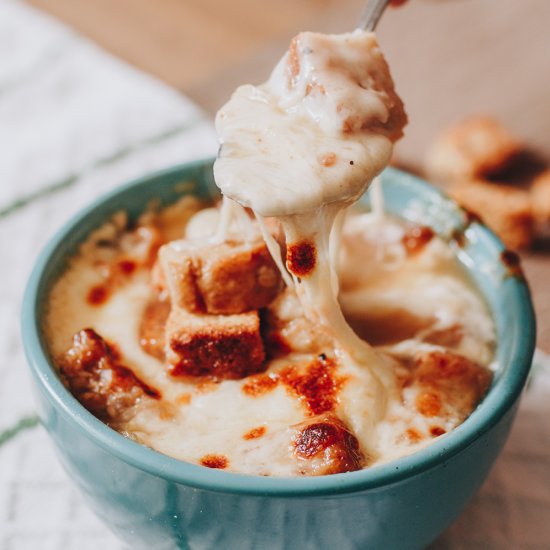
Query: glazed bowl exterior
(153, 501)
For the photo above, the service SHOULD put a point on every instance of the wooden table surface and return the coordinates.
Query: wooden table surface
(449, 58)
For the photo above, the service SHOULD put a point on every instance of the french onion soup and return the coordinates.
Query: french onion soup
(282, 331)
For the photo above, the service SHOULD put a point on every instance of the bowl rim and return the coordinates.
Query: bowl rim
(489, 412)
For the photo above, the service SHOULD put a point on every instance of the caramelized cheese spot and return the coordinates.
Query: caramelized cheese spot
(413, 435)
(315, 87)
(97, 295)
(316, 385)
(328, 159)
(218, 462)
(417, 237)
(293, 60)
(259, 384)
(428, 404)
(316, 438)
(436, 431)
(127, 267)
(255, 433)
(301, 258)
(183, 399)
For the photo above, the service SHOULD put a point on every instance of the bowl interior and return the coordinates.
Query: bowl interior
(505, 291)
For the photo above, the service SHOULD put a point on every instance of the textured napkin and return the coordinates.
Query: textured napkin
(75, 122)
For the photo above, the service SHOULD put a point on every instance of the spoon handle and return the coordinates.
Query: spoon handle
(371, 14)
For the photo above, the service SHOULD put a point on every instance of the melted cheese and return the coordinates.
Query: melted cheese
(192, 421)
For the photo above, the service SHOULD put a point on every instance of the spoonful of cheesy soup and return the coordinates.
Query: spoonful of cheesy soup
(304, 146)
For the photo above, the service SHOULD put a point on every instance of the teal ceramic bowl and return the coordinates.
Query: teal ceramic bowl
(153, 501)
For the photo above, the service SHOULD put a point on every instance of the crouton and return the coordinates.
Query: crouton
(226, 278)
(310, 56)
(477, 146)
(540, 197)
(219, 346)
(176, 272)
(320, 445)
(92, 371)
(324, 445)
(504, 208)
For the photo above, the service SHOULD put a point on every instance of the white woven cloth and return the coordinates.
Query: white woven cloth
(75, 122)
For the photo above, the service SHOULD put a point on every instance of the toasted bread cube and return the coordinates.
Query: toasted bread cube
(226, 278)
(477, 146)
(505, 209)
(238, 277)
(176, 271)
(324, 445)
(92, 371)
(350, 96)
(218, 346)
(540, 197)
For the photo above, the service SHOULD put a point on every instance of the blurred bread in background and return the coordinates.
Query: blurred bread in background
(540, 197)
(475, 147)
(504, 208)
(490, 172)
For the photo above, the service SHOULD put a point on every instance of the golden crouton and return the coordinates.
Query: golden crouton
(226, 278)
(505, 209)
(219, 346)
(175, 271)
(477, 146)
(540, 197)
(92, 370)
(324, 445)
(318, 51)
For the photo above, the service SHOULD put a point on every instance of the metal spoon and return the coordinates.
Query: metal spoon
(371, 14)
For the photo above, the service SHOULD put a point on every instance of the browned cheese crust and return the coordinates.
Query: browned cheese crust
(451, 385)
